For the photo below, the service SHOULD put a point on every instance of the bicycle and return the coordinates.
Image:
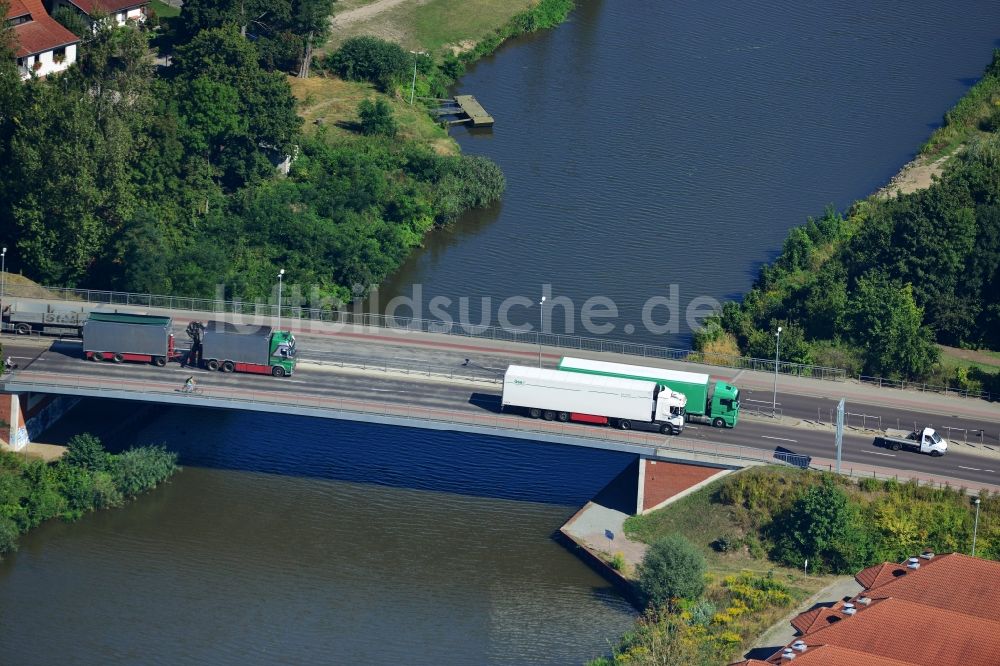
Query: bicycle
(194, 390)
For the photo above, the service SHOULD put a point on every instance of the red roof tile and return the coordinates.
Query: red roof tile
(16, 8)
(833, 655)
(90, 7)
(41, 33)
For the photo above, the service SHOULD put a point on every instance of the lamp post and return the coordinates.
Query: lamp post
(975, 529)
(281, 274)
(541, 325)
(3, 281)
(777, 345)
(413, 83)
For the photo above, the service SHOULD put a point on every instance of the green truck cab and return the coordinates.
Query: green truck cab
(718, 404)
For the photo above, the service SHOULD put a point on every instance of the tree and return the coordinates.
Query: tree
(376, 118)
(887, 323)
(369, 59)
(672, 568)
(311, 22)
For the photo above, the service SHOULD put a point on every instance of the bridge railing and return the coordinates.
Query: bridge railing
(372, 320)
(925, 388)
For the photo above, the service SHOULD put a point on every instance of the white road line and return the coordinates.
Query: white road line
(879, 453)
(763, 402)
(782, 439)
(990, 471)
(687, 427)
(974, 469)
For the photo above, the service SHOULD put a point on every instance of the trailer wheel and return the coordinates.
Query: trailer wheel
(97, 356)
(117, 358)
(227, 366)
(667, 429)
(22, 329)
(212, 365)
(159, 361)
(896, 446)
(534, 412)
(278, 371)
(625, 424)
(549, 415)
(563, 416)
(718, 422)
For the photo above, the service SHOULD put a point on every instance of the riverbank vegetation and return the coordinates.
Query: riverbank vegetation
(874, 289)
(123, 174)
(86, 478)
(756, 528)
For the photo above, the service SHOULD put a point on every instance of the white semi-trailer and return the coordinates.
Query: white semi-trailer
(570, 396)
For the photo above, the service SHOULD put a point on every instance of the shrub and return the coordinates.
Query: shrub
(376, 118)
(617, 562)
(672, 568)
(369, 59)
(869, 485)
(8, 535)
(87, 452)
(143, 468)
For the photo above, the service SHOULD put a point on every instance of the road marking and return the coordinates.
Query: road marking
(763, 402)
(990, 471)
(782, 439)
(974, 469)
(879, 453)
(687, 427)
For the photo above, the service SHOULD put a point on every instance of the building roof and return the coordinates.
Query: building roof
(90, 7)
(41, 33)
(942, 610)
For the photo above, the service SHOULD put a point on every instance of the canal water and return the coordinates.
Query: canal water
(298, 540)
(646, 145)
(651, 146)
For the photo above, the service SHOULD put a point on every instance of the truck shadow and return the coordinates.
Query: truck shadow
(487, 402)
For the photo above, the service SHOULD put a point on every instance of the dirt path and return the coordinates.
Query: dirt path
(917, 175)
(353, 16)
(972, 355)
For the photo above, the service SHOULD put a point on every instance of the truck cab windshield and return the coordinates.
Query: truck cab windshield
(935, 438)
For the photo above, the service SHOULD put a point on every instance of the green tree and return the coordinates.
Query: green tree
(369, 59)
(672, 568)
(887, 323)
(376, 118)
(86, 452)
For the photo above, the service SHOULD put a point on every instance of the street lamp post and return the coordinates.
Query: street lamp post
(541, 325)
(281, 274)
(413, 83)
(3, 282)
(975, 529)
(777, 344)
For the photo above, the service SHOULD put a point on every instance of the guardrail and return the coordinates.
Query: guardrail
(881, 382)
(657, 445)
(343, 317)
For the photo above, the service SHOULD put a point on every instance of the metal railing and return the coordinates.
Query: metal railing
(368, 320)
(901, 384)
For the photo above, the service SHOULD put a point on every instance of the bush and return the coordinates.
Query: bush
(8, 535)
(869, 485)
(673, 568)
(376, 118)
(369, 59)
(617, 562)
(87, 452)
(142, 468)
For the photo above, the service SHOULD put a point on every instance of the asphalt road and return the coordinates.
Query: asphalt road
(382, 381)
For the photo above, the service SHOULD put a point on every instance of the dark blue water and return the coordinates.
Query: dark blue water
(656, 144)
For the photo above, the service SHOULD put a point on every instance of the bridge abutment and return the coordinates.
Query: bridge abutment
(26, 415)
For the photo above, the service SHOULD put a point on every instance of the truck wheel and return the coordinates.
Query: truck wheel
(549, 415)
(534, 412)
(97, 356)
(895, 446)
(278, 371)
(159, 361)
(936, 454)
(22, 329)
(625, 424)
(667, 429)
(718, 422)
(227, 366)
(212, 365)
(563, 416)
(117, 358)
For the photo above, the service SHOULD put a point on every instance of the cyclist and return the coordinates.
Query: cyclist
(189, 385)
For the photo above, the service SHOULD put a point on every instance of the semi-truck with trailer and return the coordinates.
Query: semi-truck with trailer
(622, 403)
(25, 318)
(925, 440)
(240, 348)
(119, 337)
(718, 404)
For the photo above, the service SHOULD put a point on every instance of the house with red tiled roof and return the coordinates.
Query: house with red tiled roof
(121, 11)
(942, 610)
(41, 45)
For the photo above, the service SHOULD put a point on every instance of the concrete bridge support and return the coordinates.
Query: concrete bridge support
(24, 416)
